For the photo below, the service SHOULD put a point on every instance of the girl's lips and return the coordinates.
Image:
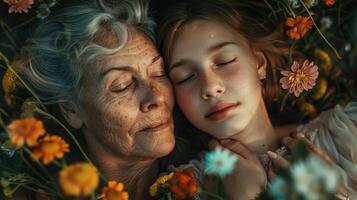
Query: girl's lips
(221, 111)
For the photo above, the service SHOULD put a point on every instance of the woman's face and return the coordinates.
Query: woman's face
(215, 78)
(128, 101)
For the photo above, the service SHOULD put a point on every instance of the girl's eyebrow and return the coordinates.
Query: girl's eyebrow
(178, 64)
(220, 45)
(210, 50)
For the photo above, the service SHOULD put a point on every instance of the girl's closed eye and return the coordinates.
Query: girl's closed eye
(181, 76)
(226, 62)
(185, 79)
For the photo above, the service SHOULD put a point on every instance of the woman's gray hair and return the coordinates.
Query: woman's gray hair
(54, 59)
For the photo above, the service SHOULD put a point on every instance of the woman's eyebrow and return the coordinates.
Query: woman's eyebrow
(125, 68)
(220, 45)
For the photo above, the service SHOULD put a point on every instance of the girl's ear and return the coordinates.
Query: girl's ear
(262, 64)
(71, 115)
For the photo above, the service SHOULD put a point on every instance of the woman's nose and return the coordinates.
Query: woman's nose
(152, 99)
(212, 88)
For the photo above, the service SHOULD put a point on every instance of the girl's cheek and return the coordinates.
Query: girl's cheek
(184, 97)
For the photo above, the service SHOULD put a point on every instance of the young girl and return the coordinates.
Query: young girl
(217, 58)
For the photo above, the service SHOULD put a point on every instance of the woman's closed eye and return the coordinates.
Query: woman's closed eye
(121, 87)
(159, 74)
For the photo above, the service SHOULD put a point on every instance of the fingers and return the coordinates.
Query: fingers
(271, 173)
(239, 149)
(290, 142)
(278, 160)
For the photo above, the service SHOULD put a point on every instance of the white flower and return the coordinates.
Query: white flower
(219, 162)
(327, 175)
(313, 174)
(326, 22)
(347, 47)
(294, 3)
(310, 3)
(303, 179)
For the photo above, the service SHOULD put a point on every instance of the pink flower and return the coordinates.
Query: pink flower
(19, 6)
(301, 77)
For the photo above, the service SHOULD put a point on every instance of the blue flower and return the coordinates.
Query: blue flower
(219, 162)
(43, 11)
(278, 189)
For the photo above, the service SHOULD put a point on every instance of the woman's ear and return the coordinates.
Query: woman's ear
(262, 64)
(71, 115)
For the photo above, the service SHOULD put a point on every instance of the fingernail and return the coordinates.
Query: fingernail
(300, 135)
(272, 155)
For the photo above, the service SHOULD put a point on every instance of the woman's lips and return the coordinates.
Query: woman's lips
(157, 126)
(221, 111)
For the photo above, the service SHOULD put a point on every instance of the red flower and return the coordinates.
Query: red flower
(299, 26)
(329, 2)
(184, 184)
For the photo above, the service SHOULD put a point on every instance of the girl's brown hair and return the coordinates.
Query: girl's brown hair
(248, 18)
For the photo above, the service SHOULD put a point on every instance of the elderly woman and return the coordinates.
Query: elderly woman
(103, 70)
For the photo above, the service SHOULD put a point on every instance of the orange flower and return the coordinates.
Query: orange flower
(184, 184)
(329, 2)
(299, 26)
(25, 130)
(79, 179)
(49, 148)
(301, 77)
(114, 191)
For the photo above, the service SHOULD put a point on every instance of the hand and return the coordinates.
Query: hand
(248, 178)
(289, 141)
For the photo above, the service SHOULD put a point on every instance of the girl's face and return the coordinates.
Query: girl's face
(215, 77)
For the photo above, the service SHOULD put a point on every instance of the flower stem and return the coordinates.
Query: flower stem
(71, 135)
(318, 30)
(212, 195)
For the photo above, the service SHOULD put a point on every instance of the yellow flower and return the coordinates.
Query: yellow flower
(79, 179)
(25, 130)
(160, 181)
(49, 148)
(308, 108)
(114, 191)
(320, 89)
(323, 59)
(9, 82)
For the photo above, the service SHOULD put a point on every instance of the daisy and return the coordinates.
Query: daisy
(219, 162)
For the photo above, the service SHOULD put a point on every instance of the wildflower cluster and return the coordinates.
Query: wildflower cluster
(176, 185)
(320, 79)
(34, 159)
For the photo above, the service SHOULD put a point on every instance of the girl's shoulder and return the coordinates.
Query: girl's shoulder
(335, 131)
(340, 122)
